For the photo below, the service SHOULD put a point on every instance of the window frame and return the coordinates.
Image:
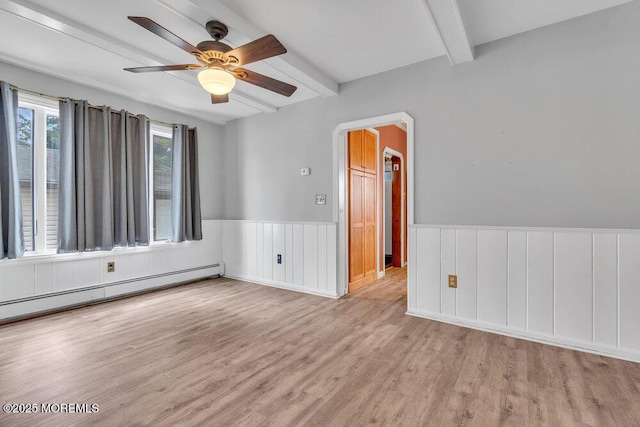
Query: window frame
(163, 131)
(42, 107)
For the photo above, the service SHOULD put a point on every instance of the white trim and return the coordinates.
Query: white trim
(521, 228)
(36, 101)
(599, 349)
(263, 221)
(618, 289)
(403, 226)
(339, 181)
(33, 258)
(65, 300)
(280, 285)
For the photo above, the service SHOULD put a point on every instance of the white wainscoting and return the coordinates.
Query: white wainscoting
(574, 288)
(35, 284)
(250, 250)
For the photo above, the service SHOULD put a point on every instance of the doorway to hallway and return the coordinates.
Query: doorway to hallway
(343, 184)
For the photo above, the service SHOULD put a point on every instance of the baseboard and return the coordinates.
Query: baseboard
(601, 350)
(38, 305)
(280, 285)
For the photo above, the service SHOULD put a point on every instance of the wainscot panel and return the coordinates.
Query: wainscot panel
(576, 288)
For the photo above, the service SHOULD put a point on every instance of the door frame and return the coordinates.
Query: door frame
(340, 177)
(394, 153)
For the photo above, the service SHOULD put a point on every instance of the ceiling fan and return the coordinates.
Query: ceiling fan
(218, 62)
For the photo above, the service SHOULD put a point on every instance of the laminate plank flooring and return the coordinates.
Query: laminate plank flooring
(226, 352)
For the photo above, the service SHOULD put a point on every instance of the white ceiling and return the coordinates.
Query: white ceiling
(329, 42)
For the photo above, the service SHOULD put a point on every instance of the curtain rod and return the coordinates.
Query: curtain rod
(58, 98)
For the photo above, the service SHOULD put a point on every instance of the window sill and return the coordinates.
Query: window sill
(37, 258)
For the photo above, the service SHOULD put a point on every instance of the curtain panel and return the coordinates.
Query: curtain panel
(130, 179)
(186, 221)
(103, 185)
(11, 226)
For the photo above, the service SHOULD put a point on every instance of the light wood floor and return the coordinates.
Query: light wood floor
(223, 352)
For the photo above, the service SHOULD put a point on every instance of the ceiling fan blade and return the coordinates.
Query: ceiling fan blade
(159, 30)
(263, 48)
(264, 82)
(219, 99)
(179, 67)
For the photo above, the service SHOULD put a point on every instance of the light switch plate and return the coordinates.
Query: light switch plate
(321, 199)
(305, 171)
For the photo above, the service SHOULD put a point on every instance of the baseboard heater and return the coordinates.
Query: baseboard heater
(101, 286)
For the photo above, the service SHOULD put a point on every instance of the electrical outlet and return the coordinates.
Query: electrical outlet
(111, 267)
(279, 259)
(321, 199)
(453, 281)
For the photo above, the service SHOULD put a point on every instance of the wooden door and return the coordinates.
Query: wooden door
(356, 225)
(362, 150)
(370, 224)
(369, 155)
(362, 209)
(356, 151)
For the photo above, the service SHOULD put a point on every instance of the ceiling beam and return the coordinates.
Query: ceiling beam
(290, 64)
(446, 18)
(219, 120)
(53, 21)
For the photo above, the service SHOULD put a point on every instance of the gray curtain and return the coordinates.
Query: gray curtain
(186, 222)
(130, 179)
(102, 197)
(11, 230)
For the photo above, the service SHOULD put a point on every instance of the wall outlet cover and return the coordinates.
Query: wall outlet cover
(453, 281)
(321, 199)
(305, 171)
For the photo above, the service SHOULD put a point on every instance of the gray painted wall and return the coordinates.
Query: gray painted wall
(542, 129)
(209, 135)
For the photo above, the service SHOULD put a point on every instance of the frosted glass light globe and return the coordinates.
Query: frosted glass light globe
(217, 82)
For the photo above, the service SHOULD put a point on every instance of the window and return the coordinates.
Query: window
(39, 166)
(53, 171)
(161, 169)
(38, 161)
(25, 173)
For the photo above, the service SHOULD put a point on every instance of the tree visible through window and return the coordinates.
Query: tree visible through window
(26, 119)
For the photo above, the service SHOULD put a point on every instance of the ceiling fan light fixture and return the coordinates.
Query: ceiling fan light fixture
(216, 81)
(218, 61)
